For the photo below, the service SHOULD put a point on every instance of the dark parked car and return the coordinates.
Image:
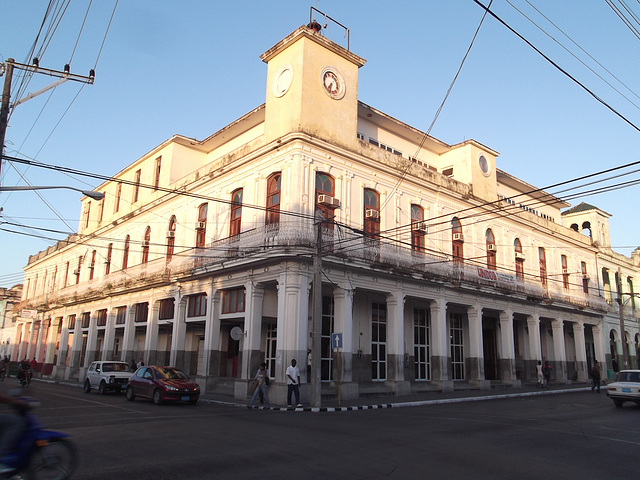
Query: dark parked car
(162, 384)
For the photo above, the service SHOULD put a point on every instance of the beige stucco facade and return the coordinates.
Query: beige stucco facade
(420, 302)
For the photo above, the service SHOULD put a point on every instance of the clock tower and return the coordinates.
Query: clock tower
(312, 87)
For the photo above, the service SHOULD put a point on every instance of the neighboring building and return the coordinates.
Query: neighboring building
(438, 269)
(9, 297)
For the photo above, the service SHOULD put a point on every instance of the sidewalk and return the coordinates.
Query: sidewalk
(331, 403)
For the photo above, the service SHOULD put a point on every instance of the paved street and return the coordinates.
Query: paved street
(575, 435)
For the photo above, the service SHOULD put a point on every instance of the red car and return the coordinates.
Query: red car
(162, 384)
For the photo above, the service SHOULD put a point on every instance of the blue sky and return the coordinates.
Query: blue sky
(192, 67)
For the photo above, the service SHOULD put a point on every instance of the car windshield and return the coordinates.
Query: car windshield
(166, 373)
(115, 367)
(628, 377)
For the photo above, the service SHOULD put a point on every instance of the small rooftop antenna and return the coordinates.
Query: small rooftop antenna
(314, 25)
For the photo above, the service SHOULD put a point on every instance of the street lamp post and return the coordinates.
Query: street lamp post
(89, 193)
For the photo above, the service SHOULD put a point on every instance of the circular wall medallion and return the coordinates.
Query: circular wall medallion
(333, 83)
(484, 165)
(282, 80)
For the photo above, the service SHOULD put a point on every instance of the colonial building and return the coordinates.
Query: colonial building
(439, 270)
(9, 298)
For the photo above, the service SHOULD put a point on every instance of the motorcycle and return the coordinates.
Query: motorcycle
(24, 376)
(40, 454)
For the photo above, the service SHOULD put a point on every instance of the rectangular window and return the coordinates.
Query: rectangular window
(270, 350)
(121, 315)
(85, 320)
(326, 361)
(457, 346)
(166, 309)
(378, 341)
(565, 272)
(233, 300)
(421, 350)
(141, 312)
(136, 187)
(72, 322)
(101, 318)
(197, 305)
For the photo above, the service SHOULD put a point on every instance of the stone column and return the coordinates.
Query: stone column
(251, 346)
(37, 350)
(33, 336)
(598, 344)
(92, 341)
(179, 334)
(128, 347)
(293, 314)
(50, 352)
(212, 350)
(508, 360)
(343, 322)
(151, 337)
(109, 335)
(440, 345)
(76, 347)
(475, 361)
(535, 348)
(581, 354)
(64, 348)
(560, 351)
(395, 343)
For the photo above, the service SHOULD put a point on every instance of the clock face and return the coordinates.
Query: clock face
(282, 80)
(332, 83)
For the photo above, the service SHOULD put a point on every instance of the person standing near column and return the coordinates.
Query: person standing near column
(293, 383)
(309, 366)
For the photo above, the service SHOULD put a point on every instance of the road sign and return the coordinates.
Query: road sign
(336, 340)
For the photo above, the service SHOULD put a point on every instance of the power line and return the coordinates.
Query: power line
(559, 68)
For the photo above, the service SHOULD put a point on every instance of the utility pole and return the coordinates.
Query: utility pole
(316, 324)
(4, 110)
(9, 66)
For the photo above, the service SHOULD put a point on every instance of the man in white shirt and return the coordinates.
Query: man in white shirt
(293, 383)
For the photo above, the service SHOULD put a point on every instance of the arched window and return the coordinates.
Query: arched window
(418, 228)
(457, 241)
(371, 213)
(145, 245)
(586, 229)
(125, 253)
(517, 249)
(325, 197)
(236, 212)
(585, 277)
(565, 272)
(171, 237)
(574, 226)
(201, 226)
(491, 249)
(273, 199)
(542, 258)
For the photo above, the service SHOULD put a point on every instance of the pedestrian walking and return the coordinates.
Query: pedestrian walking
(309, 366)
(540, 375)
(261, 385)
(614, 363)
(293, 383)
(266, 381)
(595, 376)
(546, 372)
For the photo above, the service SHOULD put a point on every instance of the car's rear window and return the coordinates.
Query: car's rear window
(628, 377)
(115, 367)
